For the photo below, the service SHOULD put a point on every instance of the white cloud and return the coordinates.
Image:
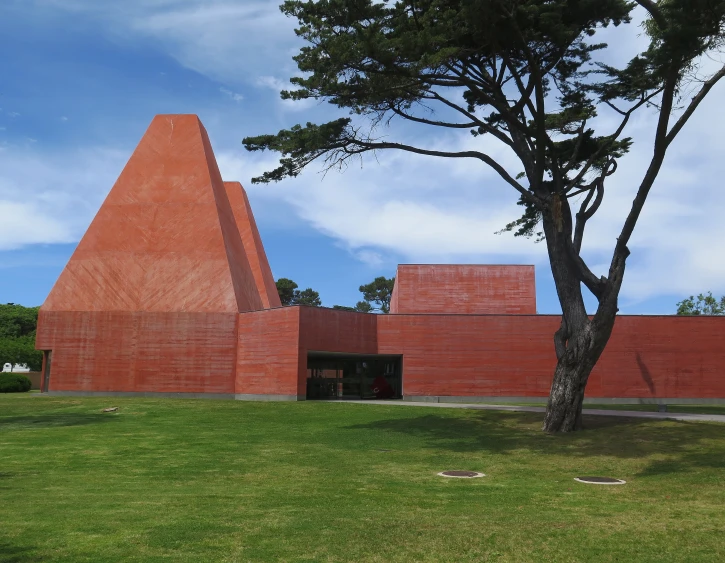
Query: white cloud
(231, 42)
(419, 208)
(52, 197)
(63, 118)
(439, 210)
(28, 223)
(231, 95)
(272, 82)
(277, 85)
(370, 257)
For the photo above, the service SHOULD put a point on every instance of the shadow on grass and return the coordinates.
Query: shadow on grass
(15, 554)
(625, 438)
(52, 420)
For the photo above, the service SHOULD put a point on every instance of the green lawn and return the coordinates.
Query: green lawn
(185, 480)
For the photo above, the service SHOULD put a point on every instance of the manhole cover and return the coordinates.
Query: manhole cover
(461, 474)
(600, 480)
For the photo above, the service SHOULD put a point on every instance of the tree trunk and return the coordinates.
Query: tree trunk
(564, 408)
(580, 340)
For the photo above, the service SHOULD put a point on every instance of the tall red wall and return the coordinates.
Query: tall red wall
(268, 355)
(140, 351)
(464, 289)
(513, 356)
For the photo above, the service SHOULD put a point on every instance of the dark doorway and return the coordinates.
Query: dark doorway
(343, 376)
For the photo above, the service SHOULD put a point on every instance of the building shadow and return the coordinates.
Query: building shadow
(8, 423)
(509, 433)
(10, 553)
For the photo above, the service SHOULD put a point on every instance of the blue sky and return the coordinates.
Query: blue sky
(82, 79)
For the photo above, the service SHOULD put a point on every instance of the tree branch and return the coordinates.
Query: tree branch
(706, 87)
(660, 147)
(432, 122)
(613, 137)
(655, 12)
(482, 124)
(585, 213)
(367, 146)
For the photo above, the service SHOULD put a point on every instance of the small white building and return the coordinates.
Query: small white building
(17, 368)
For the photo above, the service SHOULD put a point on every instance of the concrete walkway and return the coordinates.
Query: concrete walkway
(598, 412)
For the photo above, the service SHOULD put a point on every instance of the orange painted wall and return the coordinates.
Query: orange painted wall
(464, 289)
(140, 351)
(663, 356)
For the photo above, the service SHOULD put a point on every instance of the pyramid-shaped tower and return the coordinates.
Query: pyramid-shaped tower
(165, 238)
(253, 245)
(149, 302)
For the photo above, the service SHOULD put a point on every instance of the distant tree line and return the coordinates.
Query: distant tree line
(376, 295)
(17, 336)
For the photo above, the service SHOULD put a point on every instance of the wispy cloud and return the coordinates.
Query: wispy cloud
(441, 210)
(51, 197)
(220, 39)
(231, 95)
(415, 207)
(277, 85)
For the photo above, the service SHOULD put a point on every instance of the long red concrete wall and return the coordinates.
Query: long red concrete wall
(513, 356)
(139, 352)
(263, 354)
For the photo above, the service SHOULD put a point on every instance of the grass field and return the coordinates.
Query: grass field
(185, 480)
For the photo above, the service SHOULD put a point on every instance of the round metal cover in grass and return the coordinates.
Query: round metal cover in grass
(461, 474)
(600, 480)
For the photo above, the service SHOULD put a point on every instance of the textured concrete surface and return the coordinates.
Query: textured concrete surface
(149, 299)
(587, 400)
(165, 239)
(596, 412)
(253, 247)
(464, 289)
(647, 357)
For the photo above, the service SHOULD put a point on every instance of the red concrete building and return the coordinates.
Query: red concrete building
(170, 292)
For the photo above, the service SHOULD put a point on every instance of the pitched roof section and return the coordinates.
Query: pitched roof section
(253, 245)
(464, 289)
(165, 238)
